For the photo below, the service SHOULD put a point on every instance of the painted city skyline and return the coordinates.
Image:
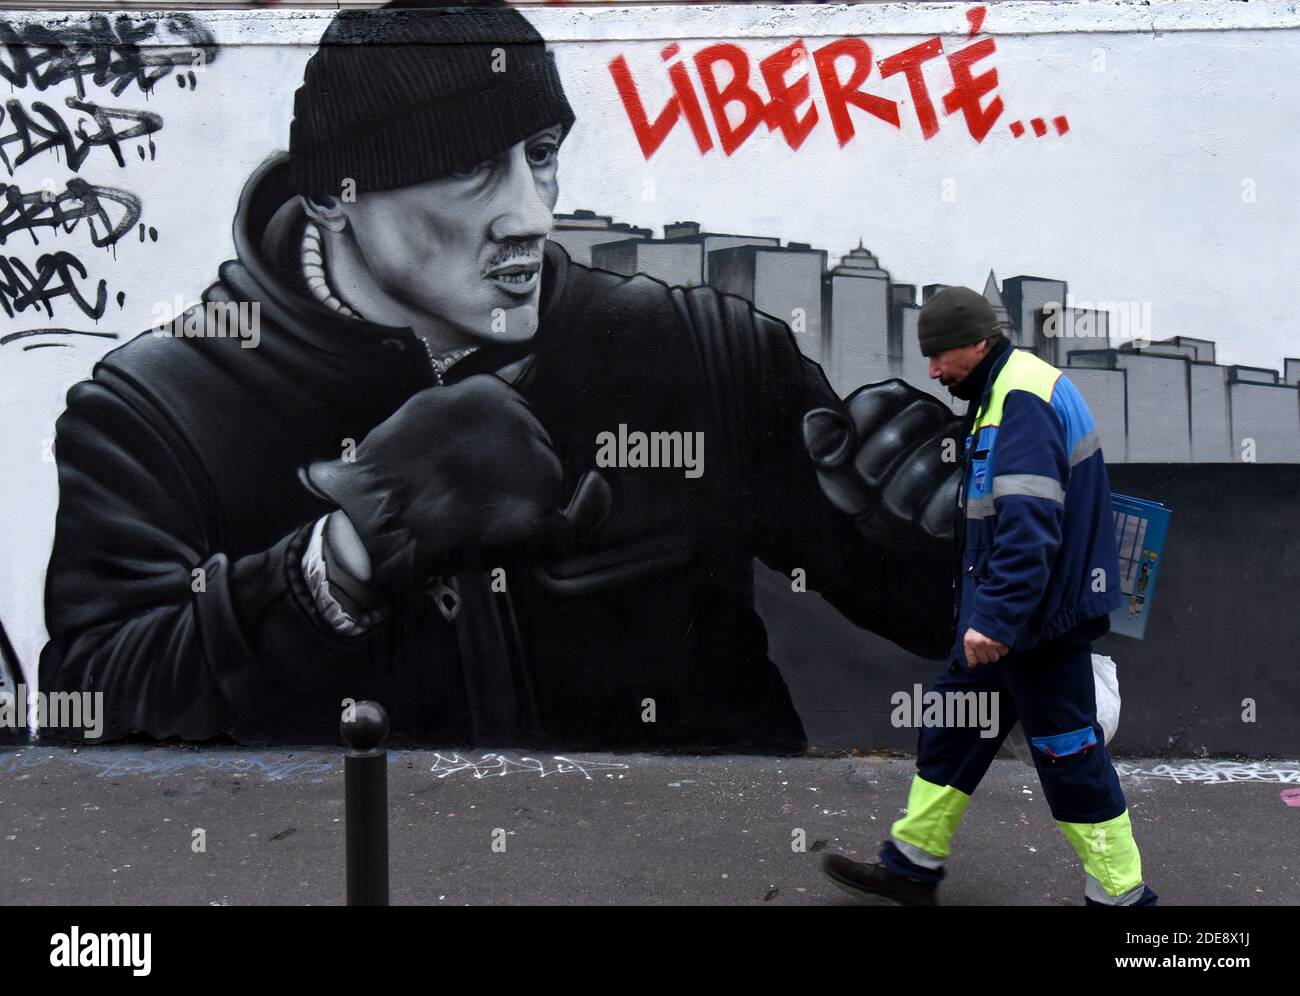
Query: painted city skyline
(1155, 400)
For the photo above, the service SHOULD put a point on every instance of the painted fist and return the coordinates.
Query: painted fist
(891, 459)
(456, 475)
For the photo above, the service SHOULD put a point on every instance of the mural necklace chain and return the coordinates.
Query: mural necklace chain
(442, 362)
(313, 271)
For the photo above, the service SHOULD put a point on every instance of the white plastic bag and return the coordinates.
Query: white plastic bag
(1106, 682)
(1106, 679)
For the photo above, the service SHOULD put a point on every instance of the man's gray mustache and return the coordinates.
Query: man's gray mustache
(533, 255)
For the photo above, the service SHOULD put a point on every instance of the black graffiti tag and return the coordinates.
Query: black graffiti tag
(108, 53)
(33, 138)
(21, 212)
(114, 52)
(21, 289)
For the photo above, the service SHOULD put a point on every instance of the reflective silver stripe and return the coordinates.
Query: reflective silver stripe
(1093, 890)
(1033, 485)
(1085, 448)
(980, 508)
(914, 854)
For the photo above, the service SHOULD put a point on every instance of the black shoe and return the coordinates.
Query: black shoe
(876, 884)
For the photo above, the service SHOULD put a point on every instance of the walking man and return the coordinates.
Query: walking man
(1036, 578)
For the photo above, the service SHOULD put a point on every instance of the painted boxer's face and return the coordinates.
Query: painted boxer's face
(465, 250)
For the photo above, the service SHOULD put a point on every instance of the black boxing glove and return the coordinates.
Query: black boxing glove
(882, 461)
(457, 473)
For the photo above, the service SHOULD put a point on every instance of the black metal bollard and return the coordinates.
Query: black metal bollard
(365, 778)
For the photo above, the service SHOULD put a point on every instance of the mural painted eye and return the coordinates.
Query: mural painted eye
(543, 153)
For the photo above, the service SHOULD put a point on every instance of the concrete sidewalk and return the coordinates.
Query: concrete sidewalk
(116, 826)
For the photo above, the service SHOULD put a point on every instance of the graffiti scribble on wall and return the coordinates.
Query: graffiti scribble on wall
(104, 55)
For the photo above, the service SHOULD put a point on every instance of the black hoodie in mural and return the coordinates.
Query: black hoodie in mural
(175, 585)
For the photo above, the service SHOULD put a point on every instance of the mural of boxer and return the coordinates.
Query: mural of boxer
(428, 459)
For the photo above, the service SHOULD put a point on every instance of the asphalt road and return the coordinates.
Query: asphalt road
(118, 826)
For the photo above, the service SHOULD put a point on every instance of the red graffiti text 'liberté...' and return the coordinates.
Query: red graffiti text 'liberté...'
(842, 68)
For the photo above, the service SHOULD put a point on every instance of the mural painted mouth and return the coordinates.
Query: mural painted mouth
(517, 278)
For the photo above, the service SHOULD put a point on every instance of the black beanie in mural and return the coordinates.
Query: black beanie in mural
(412, 92)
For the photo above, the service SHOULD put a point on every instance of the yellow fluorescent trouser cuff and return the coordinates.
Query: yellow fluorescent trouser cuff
(933, 812)
(1108, 852)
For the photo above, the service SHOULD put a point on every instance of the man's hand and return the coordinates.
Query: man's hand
(456, 472)
(892, 462)
(981, 649)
